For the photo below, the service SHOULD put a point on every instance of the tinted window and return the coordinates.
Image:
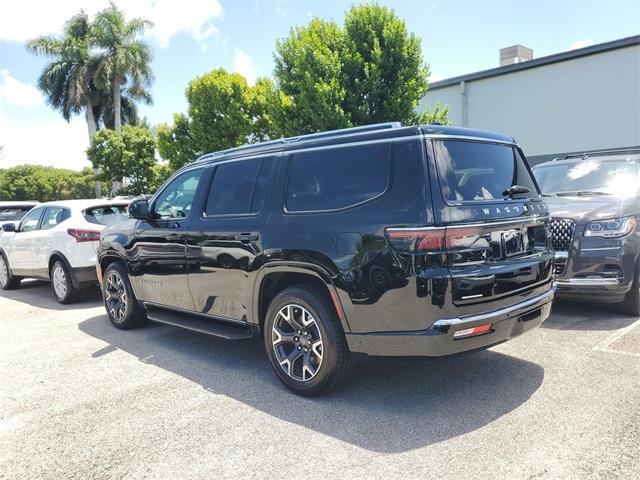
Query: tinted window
(54, 216)
(337, 177)
(30, 221)
(176, 199)
(12, 214)
(604, 175)
(106, 215)
(239, 187)
(480, 171)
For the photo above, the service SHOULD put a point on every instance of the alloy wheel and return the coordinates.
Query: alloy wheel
(297, 342)
(60, 285)
(116, 296)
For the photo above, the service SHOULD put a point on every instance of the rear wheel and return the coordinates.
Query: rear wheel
(62, 285)
(119, 300)
(305, 342)
(631, 303)
(7, 280)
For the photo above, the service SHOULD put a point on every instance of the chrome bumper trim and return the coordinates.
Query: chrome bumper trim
(588, 282)
(543, 298)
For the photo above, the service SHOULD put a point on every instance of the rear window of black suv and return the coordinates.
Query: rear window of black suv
(337, 178)
(479, 171)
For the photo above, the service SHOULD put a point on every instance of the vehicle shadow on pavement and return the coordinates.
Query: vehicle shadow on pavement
(586, 316)
(37, 293)
(390, 406)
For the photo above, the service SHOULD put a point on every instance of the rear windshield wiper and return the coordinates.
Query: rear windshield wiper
(581, 193)
(515, 189)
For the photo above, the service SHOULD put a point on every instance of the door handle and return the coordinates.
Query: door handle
(247, 237)
(173, 237)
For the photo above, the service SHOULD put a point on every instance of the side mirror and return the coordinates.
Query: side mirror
(9, 227)
(139, 209)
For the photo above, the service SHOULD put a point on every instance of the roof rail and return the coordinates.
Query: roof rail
(281, 142)
(599, 152)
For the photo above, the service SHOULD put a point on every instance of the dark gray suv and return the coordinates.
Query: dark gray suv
(594, 202)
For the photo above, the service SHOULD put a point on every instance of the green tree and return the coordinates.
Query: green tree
(125, 157)
(125, 59)
(369, 71)
(175, 143)
(308, 70)
(36, 182)
(384, 75)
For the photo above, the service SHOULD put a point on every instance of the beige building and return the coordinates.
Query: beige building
(570, 102)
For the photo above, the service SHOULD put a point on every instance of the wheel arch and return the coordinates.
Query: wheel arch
(58, 255)
(274, 278)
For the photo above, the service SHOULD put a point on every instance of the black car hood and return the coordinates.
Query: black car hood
(584, 209)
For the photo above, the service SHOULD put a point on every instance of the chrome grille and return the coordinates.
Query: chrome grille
(561, 233)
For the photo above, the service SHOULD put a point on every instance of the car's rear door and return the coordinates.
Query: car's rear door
(496, 242)
(225, 241)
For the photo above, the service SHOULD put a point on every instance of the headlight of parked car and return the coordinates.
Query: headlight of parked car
(613, 228)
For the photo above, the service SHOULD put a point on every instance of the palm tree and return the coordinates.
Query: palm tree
(67, 82)
(126, 60)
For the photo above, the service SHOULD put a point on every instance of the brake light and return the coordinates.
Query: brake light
(82, 235)
(432, 239)
(427, 239)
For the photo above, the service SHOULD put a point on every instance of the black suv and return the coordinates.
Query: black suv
(594, 199)
(381, 240)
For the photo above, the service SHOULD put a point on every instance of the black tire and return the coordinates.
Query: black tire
(62, 285)
(122, 307)
(7, 280)
(631, 303)
(334, 365)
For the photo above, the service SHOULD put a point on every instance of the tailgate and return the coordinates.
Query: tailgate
(492, 260)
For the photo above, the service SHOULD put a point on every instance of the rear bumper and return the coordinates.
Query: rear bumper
(438, 340)
(82, 276)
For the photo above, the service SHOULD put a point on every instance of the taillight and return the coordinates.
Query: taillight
(82, 235)
(429, 239)
(432, 239)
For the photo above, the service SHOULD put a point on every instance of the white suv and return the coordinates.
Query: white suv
(57, 241)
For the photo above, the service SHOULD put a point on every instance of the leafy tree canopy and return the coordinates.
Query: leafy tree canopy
(44, 184)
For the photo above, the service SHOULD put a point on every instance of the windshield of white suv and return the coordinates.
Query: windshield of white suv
(591, 176)
(13, 214)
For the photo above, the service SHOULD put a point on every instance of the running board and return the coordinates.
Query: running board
(210, 327)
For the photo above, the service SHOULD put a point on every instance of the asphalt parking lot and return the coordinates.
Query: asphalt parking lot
(80, 399)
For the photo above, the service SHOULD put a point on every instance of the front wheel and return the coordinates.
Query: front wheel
(305, 342)
(7, 280)
(119, 300)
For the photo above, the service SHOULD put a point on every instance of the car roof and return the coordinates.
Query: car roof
(85, 203)
(347, 135)
(26, 203)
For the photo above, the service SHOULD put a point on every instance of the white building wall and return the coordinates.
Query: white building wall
(586, 103)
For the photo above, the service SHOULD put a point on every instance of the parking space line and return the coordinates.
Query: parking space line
(603, 346)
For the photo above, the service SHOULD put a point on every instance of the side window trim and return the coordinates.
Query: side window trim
(289, 161)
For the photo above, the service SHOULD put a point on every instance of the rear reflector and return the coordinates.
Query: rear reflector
(82, 235)
(472, 332)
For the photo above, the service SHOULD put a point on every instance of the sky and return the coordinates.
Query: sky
(191, 37)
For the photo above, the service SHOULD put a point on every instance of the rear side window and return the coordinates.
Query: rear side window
(106, 214)
(337, 178)
(476, 171)
(13, 214)
(239, 188)
(54, 216)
